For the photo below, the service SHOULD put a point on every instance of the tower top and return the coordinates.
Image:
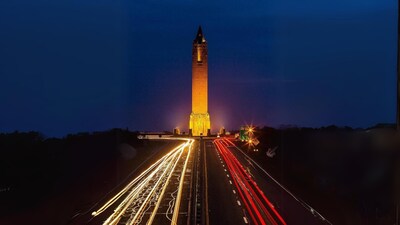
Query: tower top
(199, 36)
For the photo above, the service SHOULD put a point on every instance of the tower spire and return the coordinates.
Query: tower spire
(199, 31)
(199, 36)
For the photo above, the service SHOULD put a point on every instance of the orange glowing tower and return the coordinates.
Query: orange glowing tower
(199, 124)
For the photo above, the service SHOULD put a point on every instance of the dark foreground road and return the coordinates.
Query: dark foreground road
(223, 205)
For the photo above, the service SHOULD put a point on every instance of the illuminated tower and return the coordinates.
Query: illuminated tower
(199, 124)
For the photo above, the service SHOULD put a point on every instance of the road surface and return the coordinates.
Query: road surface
(202, 182)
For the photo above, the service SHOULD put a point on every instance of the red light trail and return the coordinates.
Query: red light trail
(260, 209)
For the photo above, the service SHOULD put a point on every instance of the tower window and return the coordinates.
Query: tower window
(198, 54)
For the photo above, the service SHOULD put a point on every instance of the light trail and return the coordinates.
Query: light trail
(156, 185)
(179, 195)
(260, 209)
(171, 204)
(132, 183)
(302, 203)
(237, 180)
(116, 216)
(150, 221)
(148, 189)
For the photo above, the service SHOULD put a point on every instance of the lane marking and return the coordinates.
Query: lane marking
(207, 222)
(230, 181)
(238, 202)
(234, 192)
(245, 220)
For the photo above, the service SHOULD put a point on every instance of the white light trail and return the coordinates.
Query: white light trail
(179, 196)
(148, 189)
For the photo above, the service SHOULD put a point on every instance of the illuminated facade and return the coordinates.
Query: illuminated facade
(199, 123)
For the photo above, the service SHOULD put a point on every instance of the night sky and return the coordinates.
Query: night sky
(70, 66)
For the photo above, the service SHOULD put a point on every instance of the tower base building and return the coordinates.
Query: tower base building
(200, 124)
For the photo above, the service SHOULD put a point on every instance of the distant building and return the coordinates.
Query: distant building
(177, 131)
(222, 131)
(154, 135)
(199, 124)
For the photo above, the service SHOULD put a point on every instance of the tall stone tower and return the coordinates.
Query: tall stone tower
(199, 124)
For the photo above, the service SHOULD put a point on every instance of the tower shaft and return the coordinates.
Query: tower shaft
(199, 123)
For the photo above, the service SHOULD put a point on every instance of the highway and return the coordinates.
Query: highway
(156, 195)
(202, 182)
(261, 198)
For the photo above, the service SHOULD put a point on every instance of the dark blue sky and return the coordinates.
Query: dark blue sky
(69, 66)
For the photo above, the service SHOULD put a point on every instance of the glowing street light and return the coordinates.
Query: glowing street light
(250, 129)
